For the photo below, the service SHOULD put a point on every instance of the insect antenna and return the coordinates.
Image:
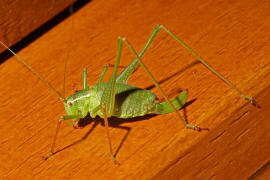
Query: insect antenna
(68, 50)
(19, 58)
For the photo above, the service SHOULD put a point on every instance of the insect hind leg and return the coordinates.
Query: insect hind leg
(187, 125)
(209, 67)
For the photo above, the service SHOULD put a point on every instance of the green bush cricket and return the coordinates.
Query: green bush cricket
(118, 98)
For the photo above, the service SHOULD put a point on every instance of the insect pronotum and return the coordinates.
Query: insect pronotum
(119, 99)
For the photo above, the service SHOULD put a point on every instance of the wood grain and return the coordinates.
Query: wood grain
(19, 18)
(233, 36)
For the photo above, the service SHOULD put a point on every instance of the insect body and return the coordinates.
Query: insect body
(130, 101)
(117, 98)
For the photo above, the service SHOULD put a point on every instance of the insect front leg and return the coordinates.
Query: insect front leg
(62, 118)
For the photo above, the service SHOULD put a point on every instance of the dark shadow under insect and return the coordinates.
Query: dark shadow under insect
(115, 123)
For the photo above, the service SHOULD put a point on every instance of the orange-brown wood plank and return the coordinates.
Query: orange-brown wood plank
(19, 18)
(262, 174)
(233, 36)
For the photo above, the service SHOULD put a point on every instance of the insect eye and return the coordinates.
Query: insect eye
(69, 104)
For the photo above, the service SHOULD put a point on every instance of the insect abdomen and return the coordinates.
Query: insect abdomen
(132, 101)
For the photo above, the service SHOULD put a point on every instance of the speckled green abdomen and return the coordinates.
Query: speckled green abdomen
(132, 101)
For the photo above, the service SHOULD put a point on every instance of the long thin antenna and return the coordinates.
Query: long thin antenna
(68, 50)
(33, 71)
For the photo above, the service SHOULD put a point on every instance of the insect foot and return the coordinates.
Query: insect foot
(196, 128)
(252, 101)
(47, 156)
(76, 126)
(114, 160)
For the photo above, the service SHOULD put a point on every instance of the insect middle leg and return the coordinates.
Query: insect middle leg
(108, 133)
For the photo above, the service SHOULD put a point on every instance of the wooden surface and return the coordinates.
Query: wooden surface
(19, 18)
(233, 36)
(261, 174)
